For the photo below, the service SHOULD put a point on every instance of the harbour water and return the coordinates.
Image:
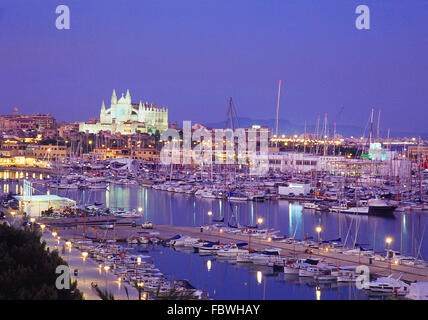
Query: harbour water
(226, 280)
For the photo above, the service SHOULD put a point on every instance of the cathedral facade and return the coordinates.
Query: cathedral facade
(126, 117)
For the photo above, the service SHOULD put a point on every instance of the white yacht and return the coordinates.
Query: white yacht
(231, 251)
(387, 285)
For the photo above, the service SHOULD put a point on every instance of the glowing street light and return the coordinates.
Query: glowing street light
(84, 255)
(260, 220)
(54, 234)
(140, 209)
(210, 213)
(32, 220)
(68, 244)
(42, 226)
(388, 240)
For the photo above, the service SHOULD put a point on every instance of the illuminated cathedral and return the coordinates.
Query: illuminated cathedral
(126, 117)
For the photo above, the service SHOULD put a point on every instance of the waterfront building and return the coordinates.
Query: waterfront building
(140, 154)
(14, 148)
(34, 205)
(22, 162)
(337, 165)
(128, 118)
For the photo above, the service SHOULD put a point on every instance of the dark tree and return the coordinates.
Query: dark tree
(27, 270)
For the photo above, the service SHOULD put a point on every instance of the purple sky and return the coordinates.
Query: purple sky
(192, 55)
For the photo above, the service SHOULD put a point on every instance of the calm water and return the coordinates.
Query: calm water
(226, 280)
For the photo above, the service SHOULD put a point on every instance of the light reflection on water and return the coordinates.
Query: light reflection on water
(226, 279)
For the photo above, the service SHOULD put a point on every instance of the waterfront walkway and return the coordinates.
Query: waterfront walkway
(74, 229)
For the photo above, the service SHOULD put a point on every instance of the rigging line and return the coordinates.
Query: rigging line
(420, 244)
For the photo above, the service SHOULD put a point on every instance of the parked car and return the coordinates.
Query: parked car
(147, 225)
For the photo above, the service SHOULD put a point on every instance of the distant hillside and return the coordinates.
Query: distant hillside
(288, 128)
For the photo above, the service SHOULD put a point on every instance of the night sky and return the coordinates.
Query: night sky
(192, 55)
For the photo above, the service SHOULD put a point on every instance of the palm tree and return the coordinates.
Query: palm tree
(104, 294)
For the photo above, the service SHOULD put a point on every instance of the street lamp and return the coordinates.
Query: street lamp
(54, 234)
(250, 232)
(42, 226)
(388, 240)
(140, 209)
(318, 230)
(139, 285)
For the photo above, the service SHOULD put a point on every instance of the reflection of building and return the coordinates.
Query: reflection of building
(126, 117)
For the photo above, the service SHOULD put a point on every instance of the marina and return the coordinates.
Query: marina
(242, 233)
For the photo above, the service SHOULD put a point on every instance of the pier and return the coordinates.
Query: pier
(75, 228)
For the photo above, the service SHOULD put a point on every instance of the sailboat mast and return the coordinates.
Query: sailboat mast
(378, 123)
(277, 108)
(325, 134)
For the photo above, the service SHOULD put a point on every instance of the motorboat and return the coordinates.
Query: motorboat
(231, 251)
(387, 285)
(347, 274)
(209, 249)
(266, 257)
(380, 207)
(311, 205)
(294, 267)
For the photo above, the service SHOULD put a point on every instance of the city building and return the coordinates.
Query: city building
(16, 148)
(26, 122)
(127, 118)
(140, 154)
(337, 165)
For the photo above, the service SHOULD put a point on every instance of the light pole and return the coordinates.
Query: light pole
(68, 244)
(84, 255)
(388, 240)
(259, 222)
